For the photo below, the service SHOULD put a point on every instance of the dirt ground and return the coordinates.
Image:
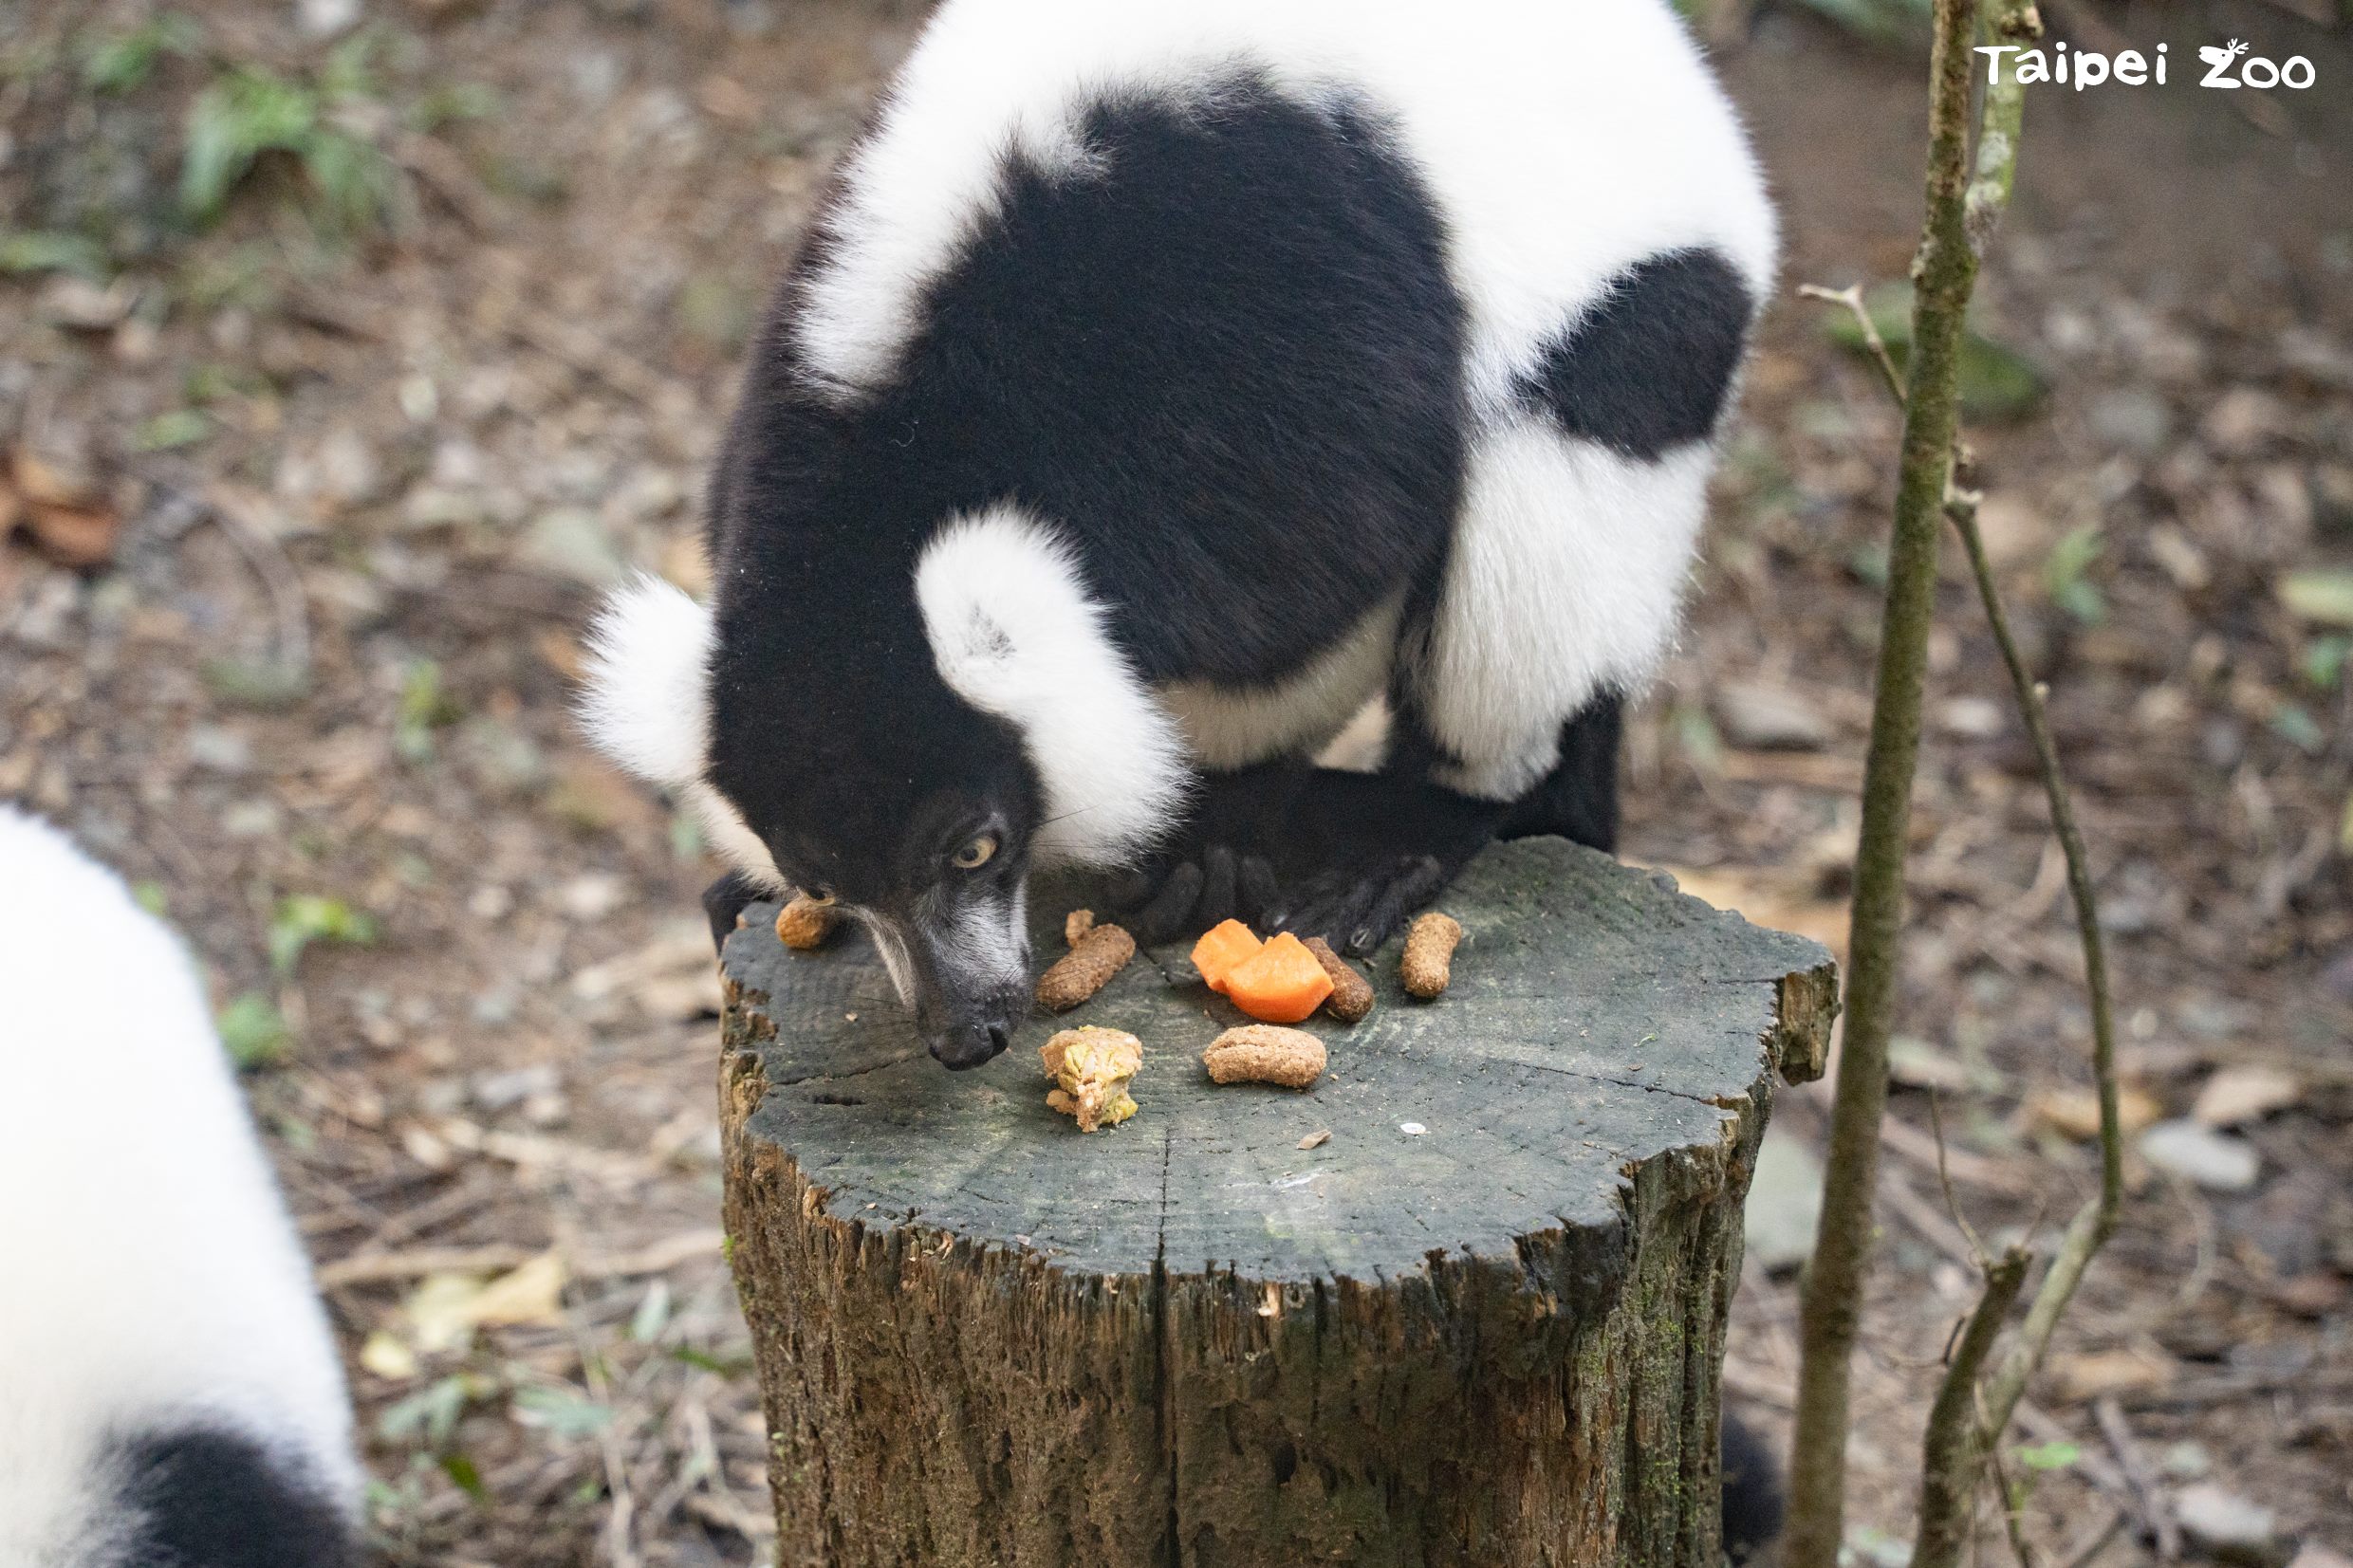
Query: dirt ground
(340, 501)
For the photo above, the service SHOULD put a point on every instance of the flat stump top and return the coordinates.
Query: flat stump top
(1596, 1018)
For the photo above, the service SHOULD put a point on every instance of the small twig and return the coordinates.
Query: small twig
(279, 580)
(182, 509)
(1851, 297)
(2157, 1519)
(620, 1519)
(2043, 1427)
(1944, 1181)
(1957, 1439)
(1907, 1142)
(1929, 1222)
(368, 1268)
(2094, 1538)
(2096, 1222)
(2013, 1519)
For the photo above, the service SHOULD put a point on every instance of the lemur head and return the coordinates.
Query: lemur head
(913, 754)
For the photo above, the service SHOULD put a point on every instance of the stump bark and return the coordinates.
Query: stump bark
(1481, 1324)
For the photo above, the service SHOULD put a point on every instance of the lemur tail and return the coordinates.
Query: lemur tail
(1754, 1494)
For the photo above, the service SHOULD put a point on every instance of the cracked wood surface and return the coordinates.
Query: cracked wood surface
(987, 1338)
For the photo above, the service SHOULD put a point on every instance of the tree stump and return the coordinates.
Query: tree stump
(1481, 1323)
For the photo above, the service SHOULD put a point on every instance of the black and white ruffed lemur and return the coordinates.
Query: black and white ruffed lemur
(170, 1395)
(1161, 382)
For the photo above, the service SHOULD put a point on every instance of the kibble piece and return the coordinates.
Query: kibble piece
(1092, 1068)
(1086, 968)
(1076, 925)
(1264, 1053)
(1352, 995)
(1429, 958)
(803, 924)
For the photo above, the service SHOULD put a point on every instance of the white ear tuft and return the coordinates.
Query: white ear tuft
(646, 703)
(1015, 635)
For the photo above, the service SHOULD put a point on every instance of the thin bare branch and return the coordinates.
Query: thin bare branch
(1956, 1441)
(1944, 275)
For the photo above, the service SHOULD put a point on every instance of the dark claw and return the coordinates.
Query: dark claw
(1414, 884)
(1359, 916)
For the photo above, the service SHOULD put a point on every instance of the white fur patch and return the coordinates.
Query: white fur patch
(1567, 579)
(986, 944)
(1015, 634)
(646, 703)
(1231, 727)
(152, 1273)
(893, 950)
(1561, 143)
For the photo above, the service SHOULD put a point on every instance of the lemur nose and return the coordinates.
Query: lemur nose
(967, 1045)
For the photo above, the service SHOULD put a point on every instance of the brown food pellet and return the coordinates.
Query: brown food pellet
(1352, 995)
(1076, 925)
(1091, 1068)
(803, 924)
(1264, 1053)
(1429, 960)
(1086, 968)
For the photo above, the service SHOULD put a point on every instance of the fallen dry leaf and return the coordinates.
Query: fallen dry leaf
(532, 1294)
(49, 480)
(79, 537)
(2074, 1114)
(2076, 1378)
(2236, 1095)
(387, 1358)
(445, 1309)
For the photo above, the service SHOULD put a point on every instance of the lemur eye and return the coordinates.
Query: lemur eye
(820, 896)
(977, 854)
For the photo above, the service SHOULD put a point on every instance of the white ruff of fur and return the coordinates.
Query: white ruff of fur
(1567, 580)
(153, 1276)
(1015, 634)
(647, 699)
(1560, 143)
(646, 704)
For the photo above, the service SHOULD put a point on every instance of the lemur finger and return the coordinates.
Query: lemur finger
(1413, 885)
(1170, 912)
(1217, 886)
(1257, 891)
(1132, 890)
(1320, 908)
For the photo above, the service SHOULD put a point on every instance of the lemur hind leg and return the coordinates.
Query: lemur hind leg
(1577, 799)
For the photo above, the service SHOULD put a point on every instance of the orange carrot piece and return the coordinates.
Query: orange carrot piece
(1282, 983)
(1226, 946)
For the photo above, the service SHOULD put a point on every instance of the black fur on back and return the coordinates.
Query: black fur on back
(208, 1497)
(1225, 362)
(1649, 367)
